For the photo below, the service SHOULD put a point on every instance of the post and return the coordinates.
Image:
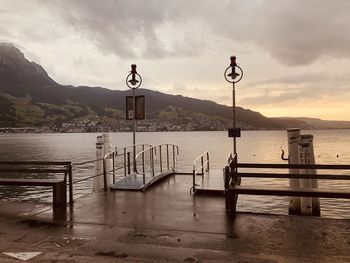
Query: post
(134, 131)
(113, 163)
(108, 162)
(310, 159)
(104, 175)
(234, 116)
(160, 159)
(128, 157)
(97, 181)
(208, 161)
(316, 206)
(143, 159)
(174, 157)
(233, 77)
(293, 158)
(124, 161)
(152, 161)
(194, 179)
(167, 156)
(229, 195)
(304, 158)
(133, 83)
(70, 184)
(202, 165)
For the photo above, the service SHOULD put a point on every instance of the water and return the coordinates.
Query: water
(331, 147)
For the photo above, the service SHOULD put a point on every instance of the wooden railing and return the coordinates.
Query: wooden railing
(25, 168)
(233, 181)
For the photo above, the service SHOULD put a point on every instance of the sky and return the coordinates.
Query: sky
(295, 54)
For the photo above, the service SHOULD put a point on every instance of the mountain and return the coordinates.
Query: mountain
(314, 123)
(29, 97)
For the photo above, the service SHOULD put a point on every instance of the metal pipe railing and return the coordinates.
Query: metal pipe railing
(153, 155)
(126, 159)
(200, 170)
(125, 162)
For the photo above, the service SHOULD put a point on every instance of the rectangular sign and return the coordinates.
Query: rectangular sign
(140, 108)
(234, 132)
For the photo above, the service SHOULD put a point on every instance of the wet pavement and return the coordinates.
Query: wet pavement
(166, 224)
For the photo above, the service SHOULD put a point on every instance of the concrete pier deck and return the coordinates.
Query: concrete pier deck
(212, 183)
(166, 224)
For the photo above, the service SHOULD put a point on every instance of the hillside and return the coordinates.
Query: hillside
(30, 98)
(314, 123)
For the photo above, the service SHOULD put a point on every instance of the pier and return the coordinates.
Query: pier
(166, 223)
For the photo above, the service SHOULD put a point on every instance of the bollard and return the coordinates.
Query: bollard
(293, 158)
(310, 159)
(97, 184)
(304, 158)
(106, 149)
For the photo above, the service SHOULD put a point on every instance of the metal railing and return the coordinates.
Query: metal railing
(122, 165)
(233, 180)
(201, 170)
(126, 153)
(155, 163)
(120, 161)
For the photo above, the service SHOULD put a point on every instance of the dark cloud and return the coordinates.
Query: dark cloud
(294, 33)
(126, 28)
(299, 33)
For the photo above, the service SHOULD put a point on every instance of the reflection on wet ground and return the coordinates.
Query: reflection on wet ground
(167, 215)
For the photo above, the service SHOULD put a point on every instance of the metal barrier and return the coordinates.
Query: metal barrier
(121, 160)
(233, 188)
(156, 162)
(126, 152)
(200, 170)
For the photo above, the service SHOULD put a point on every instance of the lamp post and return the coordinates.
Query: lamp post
(233, 77)
(133, 83)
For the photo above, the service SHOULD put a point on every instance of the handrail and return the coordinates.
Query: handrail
(126, 155)
(153, 152)
(132, 146)
(126, 159)
(199, 169)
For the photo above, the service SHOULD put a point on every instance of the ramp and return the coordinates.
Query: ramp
(150, 165)
(135, 182)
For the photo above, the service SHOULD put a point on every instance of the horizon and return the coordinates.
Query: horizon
(295, 62)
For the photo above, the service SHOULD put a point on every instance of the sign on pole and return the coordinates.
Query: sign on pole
(139, 108)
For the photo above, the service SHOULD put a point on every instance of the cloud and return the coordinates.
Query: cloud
(291, 33)
(125, 28)
(298, 89)
(299, 35)
(305, 77)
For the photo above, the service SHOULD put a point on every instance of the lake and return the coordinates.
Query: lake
(331, 147)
